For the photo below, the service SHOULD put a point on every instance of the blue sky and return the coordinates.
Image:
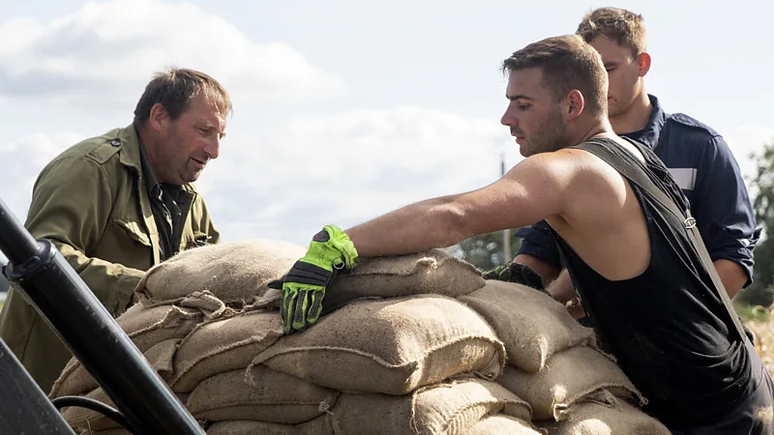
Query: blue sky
(345, 109)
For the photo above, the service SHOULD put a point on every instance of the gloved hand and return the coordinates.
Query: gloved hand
(303, 287)
(518, 273)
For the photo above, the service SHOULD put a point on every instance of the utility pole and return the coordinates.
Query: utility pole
(507, 231)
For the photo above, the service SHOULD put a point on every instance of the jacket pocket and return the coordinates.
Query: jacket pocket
(134, 231)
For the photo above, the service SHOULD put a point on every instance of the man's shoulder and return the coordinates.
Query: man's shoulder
(691, 127)
(97, 150)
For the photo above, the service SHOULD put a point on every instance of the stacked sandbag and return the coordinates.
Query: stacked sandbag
(554, 363)
(608, 417)
(146, 327)
(415, 344)
(431, 272)
(391, 346)
(233, 272)
(185, 295)
(419, 364)
(399, 354)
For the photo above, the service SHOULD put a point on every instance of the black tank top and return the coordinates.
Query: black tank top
(668, 327)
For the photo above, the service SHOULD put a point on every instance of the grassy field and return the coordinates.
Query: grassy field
(759, 320)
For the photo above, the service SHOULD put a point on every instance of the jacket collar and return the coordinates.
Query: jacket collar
(131, 158)
(652, 131)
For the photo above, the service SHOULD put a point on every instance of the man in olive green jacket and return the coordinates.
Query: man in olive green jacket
(117, 204)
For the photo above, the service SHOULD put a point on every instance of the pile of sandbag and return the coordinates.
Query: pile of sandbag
(417, 344)
(555, 365)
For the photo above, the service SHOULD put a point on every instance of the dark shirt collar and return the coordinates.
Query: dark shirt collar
(154, 187)
(650, 134)
(147, 172)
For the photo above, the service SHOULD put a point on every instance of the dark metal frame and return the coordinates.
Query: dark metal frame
(43, 276)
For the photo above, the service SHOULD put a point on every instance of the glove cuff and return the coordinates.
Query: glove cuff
(303, 272)
(339, 240)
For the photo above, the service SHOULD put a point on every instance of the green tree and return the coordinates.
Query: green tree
(761, 291)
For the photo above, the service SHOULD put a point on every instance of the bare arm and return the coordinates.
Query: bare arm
(732, 275)
(562, 289)
(532, 190)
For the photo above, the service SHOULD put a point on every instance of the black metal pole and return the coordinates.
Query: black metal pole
(24, 408)
(90, 332)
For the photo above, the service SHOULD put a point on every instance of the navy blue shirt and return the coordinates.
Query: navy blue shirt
(701, 162)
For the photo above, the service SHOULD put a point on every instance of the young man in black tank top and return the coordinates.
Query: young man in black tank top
(655, 304)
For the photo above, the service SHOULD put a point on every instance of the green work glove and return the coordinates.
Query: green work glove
(303, 287)
(518, 273)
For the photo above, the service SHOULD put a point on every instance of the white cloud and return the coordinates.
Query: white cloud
(348, 168)
(22, 160)
(288, 180)
(112, 48)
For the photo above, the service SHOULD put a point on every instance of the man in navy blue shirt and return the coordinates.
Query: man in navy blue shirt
(697, 157)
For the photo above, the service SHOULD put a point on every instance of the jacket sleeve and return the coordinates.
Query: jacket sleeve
(206, 225)
(722, 208)
(71, 206)
(537, 241)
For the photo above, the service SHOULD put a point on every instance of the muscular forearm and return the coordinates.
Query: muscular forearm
(433, 223)
(732, 275)
(562, 288)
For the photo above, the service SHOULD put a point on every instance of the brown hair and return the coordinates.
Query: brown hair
(175, 88)
(567, 63)
(624, 27)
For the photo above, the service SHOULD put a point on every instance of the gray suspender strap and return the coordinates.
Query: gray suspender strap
(641, 179)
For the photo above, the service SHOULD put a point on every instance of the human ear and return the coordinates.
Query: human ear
(574, 104)
(158, 117)
(643, 63)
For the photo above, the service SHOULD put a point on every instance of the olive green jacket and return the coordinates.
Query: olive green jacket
(92, 202)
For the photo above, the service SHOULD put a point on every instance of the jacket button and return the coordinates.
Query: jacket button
(115, 143)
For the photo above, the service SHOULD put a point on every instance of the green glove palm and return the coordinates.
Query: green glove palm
(303, 287)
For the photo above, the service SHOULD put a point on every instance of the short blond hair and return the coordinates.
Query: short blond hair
(624, 27)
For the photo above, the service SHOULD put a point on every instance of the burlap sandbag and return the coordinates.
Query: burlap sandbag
(433, 271)
(83, 418)
(159, 357)
(273, 397)
(390, 346)
(532, 325)
(232, 271)
(604, 419)
(318, 426)
(223, 345)
(146, 327)
(502, 425)
(568, 377)
(448, 408)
